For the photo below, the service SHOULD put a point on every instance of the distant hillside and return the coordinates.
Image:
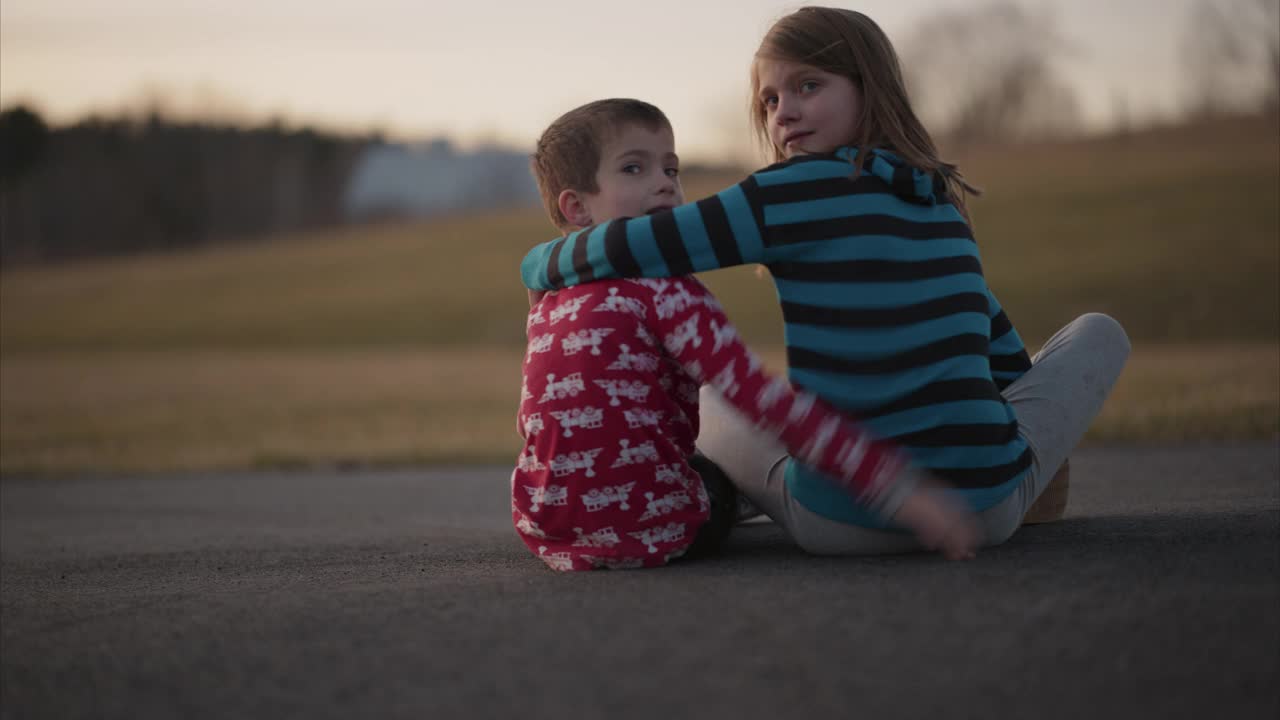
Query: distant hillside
(1173, 231)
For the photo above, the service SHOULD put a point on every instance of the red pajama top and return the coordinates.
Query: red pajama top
(609, 415)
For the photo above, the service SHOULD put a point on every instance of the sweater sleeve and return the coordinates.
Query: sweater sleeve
(719, 231)
(1007, 355)
(695, 331)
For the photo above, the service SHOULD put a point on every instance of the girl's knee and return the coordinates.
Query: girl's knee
(1106, 331)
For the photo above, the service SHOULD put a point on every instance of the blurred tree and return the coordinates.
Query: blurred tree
(23, 139)
(145, 181)
(1231, 51)
(987, 74)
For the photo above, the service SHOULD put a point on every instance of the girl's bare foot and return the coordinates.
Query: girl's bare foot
(940, 523)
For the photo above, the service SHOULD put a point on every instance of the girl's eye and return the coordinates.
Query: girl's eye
(631, 169)
(771, 102)
(672, 172)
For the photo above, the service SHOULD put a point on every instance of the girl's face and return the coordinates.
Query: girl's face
(807, 111)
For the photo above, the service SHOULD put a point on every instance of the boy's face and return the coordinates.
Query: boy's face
(639, 174)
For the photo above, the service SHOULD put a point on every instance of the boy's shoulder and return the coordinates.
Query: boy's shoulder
(591, 304)
(661, 295)
(653, 287)
(641, 301)
(638, 297)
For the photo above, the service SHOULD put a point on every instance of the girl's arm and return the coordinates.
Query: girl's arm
(1007, 355)
(699, 336)
(720, 231)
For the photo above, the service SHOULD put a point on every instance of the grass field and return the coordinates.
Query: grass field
(400, 343)
(128, 411)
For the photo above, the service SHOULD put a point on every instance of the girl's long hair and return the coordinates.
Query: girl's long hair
(848, 43)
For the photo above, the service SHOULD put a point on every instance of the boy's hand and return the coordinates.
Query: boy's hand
(939, 522)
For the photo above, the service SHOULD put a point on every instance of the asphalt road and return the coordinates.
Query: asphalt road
(406, 594)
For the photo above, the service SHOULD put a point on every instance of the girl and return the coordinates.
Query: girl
(887, 314)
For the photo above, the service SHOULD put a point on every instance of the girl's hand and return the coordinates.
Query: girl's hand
(535, 296)
(939, 522)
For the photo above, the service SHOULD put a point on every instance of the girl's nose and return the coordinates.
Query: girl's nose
(788, 110)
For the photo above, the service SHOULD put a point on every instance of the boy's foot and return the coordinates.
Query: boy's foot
(1052, 503)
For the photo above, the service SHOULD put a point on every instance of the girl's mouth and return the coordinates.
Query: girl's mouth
(796, 136)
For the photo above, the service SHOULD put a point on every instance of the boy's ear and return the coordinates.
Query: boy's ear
(573, 208)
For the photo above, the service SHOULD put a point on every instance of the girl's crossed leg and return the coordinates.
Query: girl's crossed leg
(1055, 402)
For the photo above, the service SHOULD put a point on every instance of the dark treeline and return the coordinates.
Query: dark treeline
(111, 186)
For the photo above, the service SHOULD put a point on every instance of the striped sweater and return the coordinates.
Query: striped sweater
(886, 312)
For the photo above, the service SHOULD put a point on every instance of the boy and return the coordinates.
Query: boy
(609, 401)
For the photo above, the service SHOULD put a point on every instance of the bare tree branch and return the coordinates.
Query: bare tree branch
(1231, 53)
(988, 74)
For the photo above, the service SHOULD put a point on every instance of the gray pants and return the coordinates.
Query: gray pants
(1055, 401)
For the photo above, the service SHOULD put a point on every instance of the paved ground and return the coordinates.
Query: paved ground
(406, 594)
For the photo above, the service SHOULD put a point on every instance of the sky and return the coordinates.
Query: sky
(485, 72)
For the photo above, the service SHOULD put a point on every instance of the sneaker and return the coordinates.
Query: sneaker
(746, 511)
(724, 506)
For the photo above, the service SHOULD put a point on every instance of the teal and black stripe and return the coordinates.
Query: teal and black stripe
(890, 317)
(719, 231)
(618, 252)
(876, 270)
(886, 311)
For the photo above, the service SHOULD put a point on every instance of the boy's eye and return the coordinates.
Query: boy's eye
(631, 169)
(808, 86)
(672, 172)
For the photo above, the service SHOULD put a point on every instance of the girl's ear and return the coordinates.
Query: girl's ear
(573, 207)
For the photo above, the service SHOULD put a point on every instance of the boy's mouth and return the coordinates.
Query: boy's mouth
(658, 209)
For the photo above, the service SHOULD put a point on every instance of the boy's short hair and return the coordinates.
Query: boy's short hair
(567, 156)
